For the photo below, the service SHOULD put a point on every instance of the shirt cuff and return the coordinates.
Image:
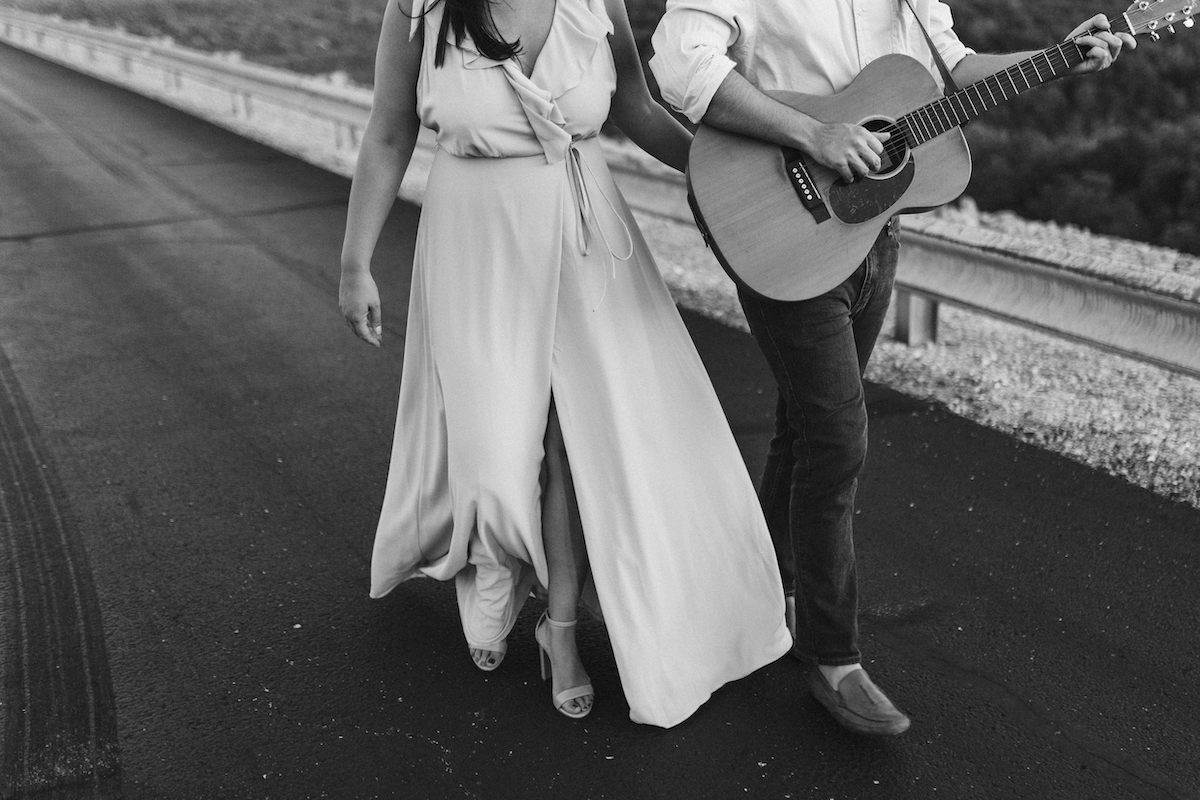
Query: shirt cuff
(690, 90)
(954, 54)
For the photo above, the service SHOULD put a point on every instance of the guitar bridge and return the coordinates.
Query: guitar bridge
(805, 186)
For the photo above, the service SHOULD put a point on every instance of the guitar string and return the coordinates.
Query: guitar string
(937, 117)
(941, 115)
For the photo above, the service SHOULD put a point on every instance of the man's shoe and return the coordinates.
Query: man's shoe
(858, 705)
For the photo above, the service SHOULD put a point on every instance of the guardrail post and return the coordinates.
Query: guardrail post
(916, 318)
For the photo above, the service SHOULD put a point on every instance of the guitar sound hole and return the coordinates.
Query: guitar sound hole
(895, 151)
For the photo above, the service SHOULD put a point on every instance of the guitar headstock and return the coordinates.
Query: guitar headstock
(1154, 16)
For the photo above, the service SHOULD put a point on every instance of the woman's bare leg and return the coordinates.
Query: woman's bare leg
(566, 562)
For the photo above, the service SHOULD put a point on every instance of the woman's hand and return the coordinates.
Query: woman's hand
(1100, 48)
(359, 300)
(383, 156)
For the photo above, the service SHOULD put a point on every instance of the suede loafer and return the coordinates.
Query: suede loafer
(858, 704)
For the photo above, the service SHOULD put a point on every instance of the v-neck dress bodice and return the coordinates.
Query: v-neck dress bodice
(480, 107)
(531, 281)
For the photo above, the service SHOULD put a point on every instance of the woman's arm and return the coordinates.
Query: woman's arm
(387, 147)
(633, 108)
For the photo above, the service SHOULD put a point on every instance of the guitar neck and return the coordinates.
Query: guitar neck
(966, 104)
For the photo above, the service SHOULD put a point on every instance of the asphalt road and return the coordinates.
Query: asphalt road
(194, 451)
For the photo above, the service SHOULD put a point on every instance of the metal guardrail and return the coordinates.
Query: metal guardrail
(322, 123)
(308, 117)
(1156, 328)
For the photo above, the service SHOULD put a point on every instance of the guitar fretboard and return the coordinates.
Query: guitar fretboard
(959, 108)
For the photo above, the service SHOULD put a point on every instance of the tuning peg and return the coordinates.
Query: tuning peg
(1189, 22)
(1171, 28)
(1154, 37)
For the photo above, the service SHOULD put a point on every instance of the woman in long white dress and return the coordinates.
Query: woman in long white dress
(554, 418)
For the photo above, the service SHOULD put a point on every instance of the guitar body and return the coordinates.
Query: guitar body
(754, 219)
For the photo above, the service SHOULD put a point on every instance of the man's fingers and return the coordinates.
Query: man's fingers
(1098, 22)
(1111, 42)
(857, 165)
(872, 158)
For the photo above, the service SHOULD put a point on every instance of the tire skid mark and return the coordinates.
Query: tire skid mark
(60, 730)
(20, 107)
(83, 230)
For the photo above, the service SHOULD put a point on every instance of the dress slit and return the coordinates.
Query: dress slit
(505, 320)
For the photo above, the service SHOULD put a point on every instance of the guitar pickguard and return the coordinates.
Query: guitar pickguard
(866, 199)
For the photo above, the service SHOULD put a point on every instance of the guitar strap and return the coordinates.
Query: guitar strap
(951, 86)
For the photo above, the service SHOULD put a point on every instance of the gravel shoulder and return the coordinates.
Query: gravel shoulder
(1126, 418)
(1123, 417)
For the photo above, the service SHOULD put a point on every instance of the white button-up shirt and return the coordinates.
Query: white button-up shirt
(810, 46)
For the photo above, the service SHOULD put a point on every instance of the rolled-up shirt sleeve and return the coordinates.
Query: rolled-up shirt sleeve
(691, 50)
(941, 30)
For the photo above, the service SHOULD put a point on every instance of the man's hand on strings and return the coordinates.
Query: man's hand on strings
(851, 150)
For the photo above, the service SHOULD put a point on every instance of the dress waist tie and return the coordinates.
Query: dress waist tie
(586, 220)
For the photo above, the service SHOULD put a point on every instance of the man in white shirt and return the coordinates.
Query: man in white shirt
(713, 60)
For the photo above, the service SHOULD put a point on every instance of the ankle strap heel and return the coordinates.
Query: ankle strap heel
(561, 700)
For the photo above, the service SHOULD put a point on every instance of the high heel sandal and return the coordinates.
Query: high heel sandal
(560, 699)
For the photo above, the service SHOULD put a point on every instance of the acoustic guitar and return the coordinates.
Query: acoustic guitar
(788, 228)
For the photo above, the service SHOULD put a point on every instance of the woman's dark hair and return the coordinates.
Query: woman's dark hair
(473, 17)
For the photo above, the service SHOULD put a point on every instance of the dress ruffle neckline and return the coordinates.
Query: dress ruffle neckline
(578, 28)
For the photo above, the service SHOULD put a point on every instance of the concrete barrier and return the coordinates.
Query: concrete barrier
(1113, 303)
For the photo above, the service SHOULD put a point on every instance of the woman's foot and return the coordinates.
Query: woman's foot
(487, 660)
(570, 688)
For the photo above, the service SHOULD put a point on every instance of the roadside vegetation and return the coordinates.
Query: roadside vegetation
(1118, 154)
(308, 36)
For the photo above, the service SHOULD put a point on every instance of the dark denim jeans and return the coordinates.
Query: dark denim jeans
(818, 350)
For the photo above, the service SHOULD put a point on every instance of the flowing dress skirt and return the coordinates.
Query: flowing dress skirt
(516, 299)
